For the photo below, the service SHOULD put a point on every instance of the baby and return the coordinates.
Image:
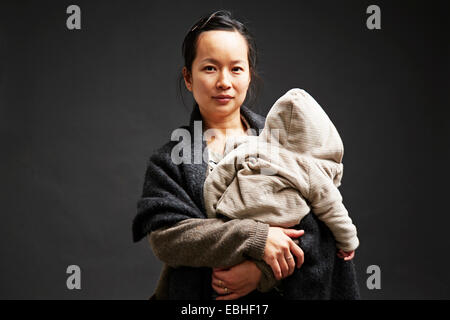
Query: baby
(293, 166)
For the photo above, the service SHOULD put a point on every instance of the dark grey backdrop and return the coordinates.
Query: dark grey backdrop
(81, 111)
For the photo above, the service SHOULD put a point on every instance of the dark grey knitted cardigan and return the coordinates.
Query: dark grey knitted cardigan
(165, 202)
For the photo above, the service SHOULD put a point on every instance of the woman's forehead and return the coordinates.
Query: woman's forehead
(221, 46)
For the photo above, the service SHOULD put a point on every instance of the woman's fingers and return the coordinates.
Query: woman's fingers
(220, 286)
(273, 263)
(238, 281)
(291, 263)
(221, 289)
(277, 252)
(283, 265)
(217, 282)
(296, 250)
(216, 288)
(289, 260)
(220, 274)
(293, 233)
(298, 253)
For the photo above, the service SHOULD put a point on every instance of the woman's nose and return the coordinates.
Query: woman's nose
(224, 81)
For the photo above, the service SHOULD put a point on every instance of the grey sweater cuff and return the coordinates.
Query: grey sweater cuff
(258, 238)
(268, 280)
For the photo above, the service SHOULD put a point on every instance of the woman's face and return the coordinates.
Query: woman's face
(219, 68)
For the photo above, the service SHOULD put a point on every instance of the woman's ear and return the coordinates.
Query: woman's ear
(187, 78)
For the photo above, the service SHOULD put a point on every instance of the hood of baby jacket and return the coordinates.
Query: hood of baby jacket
(304, 128)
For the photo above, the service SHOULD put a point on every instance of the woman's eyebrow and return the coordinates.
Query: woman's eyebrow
(217, 62)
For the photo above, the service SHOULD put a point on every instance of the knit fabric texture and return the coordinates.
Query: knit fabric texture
(174, 192)
(294, 164)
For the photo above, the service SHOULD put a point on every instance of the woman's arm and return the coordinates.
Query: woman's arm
(209, 242)
(180, 236)
(218, 244)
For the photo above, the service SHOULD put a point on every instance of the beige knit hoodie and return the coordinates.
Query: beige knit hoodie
(293, 166)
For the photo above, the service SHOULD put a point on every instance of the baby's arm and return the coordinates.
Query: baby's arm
(326, 203)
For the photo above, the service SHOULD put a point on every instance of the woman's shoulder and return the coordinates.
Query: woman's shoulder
(253, 117)
(165, 149)
(165, 155)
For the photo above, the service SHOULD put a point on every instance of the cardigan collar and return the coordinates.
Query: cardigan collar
(196, 170)
(198, 144)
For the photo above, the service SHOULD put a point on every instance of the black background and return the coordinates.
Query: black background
(82, 110)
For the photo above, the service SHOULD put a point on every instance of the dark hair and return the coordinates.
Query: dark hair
(221, 20)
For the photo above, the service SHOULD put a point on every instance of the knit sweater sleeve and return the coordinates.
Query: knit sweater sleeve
(326, 203)
(170, 214)
(209, 242)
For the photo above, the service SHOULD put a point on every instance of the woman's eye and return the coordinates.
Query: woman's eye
(211, 68)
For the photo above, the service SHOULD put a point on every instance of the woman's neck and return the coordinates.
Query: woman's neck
(231, 124)
(218, 130)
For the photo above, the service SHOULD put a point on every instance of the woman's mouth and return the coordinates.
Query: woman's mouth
(223, 99)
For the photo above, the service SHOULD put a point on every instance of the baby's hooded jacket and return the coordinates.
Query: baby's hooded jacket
(293, 166)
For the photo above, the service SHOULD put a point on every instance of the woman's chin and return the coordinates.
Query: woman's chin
(215, 109)
(222, 108)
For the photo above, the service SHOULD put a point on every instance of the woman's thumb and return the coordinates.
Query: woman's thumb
(293, 233)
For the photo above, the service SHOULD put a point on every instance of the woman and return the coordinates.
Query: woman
(230, 259)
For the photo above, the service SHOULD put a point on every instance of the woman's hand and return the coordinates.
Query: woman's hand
(279, 249)
(237, 281)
